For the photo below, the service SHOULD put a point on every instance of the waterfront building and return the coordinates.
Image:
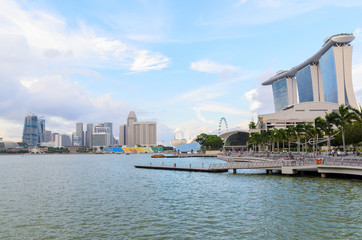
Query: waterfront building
(61, 140)
(30, 131)
(137, 133)
(110, 126)
(41, 130)
(101, 136)
(89, 142)
(78, 139)
(318, 85)
(47, 136)
(122, 135)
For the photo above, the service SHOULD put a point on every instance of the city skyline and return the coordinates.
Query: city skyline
(83, 62)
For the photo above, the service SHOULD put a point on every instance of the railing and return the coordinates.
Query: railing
(292, 163)
(218, 166)
(250, 165)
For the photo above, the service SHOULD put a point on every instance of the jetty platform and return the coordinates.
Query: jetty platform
(213, 168)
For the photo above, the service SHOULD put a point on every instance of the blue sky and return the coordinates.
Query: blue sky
(184, 64)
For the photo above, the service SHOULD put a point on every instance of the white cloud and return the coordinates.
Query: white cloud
(261, 98)
(50, 39)
(251, 97)
(211, 67)
(39, 52)
(145, 61)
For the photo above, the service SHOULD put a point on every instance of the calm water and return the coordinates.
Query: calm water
(104, 196)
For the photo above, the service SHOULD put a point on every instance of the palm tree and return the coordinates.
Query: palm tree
(358, 113)
(290, 133)
(264, 139)
(325, 125)
(308, 131)
(299, 129)
(270, 134)
(341, 119)
(319, 126)
(283, 136)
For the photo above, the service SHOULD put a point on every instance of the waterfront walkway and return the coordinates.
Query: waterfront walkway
(348, 165)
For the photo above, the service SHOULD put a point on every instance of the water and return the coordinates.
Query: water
(105, 197)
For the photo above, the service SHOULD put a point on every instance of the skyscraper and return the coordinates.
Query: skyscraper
(137, 133)
(78, 138)
(110, 126)
(30, 132)
(41, 130)
(324, 77)
(89, 142)
(318, 85)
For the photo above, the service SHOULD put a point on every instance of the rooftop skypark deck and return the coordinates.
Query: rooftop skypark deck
(339, 39)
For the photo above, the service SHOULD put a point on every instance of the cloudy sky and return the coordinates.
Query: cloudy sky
(184, 64)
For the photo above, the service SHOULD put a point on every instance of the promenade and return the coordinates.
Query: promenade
(295, 163)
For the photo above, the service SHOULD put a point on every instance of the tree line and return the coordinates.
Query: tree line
(339, 128)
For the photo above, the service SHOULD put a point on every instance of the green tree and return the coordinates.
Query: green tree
(341, 119)
(290, 134)
(252, 125)
(202, 138)
(325, 125)
(210, 141)
(299, 130)
(308, 133)
(357, 113)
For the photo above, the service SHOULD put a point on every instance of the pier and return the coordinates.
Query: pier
(213, 168)
(323, 166)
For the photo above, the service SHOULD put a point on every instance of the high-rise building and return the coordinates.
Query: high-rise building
(41, 130)
(110, 126)
(101, 136)
(78, 139)
(61, 140)
(325, 77)
(122, 135)
(47, 136)
(137, 133)
(30, 132)
(89, 143)
(318, 85)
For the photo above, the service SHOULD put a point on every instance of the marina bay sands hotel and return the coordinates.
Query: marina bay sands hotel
(318, 85)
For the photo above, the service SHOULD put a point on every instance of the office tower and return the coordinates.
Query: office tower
(47, 136)
(89, 142)
(122, 135)
(138, 133)
(61, 140)
(30, 131)
(78, 138)
(110, 126)
(101, 136)
(41, 130)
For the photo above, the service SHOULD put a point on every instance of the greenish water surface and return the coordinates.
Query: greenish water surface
(105, 197)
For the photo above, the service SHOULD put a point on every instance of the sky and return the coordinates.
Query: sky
(184, 64)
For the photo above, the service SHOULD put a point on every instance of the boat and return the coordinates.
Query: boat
(158, 155)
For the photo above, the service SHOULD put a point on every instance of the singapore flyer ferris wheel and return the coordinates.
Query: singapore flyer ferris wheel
(225, 123)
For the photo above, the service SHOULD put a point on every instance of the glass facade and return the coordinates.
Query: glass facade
(280, 93)
(329, 78)
(304, 83)
(237, 139)
(30, 133)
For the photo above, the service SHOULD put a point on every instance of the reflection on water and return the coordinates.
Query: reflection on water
(104, 196)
